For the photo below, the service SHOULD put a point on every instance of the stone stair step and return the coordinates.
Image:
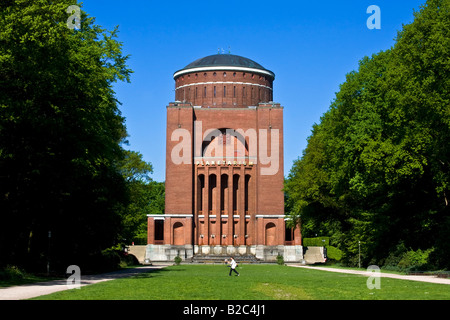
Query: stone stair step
(221, 259)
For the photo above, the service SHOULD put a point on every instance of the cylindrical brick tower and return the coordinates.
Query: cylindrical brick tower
(224, 81)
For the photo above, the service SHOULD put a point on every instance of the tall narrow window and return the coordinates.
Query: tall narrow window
(235, 192)
(243, 92)
(214, 91)
(224, 91)
(234, 92)
(224, 194)
(246, 193)
(212, 193)
(159, 230)
(200, 191)
(204, 92)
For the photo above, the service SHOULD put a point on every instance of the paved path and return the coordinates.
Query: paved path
(431, 279)
(43, 288)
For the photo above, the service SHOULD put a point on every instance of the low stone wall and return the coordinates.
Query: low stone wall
(138, 251)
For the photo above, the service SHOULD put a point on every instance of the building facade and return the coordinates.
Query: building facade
(224, 166)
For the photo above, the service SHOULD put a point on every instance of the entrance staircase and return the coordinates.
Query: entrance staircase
(220, 259)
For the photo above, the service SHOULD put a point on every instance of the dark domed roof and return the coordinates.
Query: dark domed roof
(224, 60)
(229, 61)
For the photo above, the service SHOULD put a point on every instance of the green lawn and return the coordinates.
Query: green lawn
(256, 282)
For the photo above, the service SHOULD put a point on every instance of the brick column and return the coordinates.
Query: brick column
(281, 226)
(206, 208)
(168, 239)
(188, 231)
(230, 208)
(242, 205)
(218, 238)
(196, 208)
(150, 230)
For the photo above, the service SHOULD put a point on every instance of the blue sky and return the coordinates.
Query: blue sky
(309, 45)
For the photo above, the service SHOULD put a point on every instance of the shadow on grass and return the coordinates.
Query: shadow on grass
(157, 272)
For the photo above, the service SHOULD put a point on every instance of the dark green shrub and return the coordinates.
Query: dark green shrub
(334, 253)
(177, 260)
(280, 259)
(415, 260)
(316, 242)
(12, 273)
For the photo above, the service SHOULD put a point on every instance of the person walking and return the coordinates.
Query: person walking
(233, 266)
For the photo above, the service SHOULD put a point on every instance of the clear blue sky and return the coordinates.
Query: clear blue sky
(309, 45)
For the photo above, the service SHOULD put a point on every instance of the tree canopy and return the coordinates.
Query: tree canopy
(61, 135)
(376, 167)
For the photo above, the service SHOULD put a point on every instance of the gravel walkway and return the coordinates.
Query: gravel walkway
(431, 279)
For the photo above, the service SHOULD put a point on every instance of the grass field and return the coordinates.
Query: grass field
(256, 282)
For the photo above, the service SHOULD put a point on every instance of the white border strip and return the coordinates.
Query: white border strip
(225, 68)
(270, 216)
(162, 216)
(223, 82)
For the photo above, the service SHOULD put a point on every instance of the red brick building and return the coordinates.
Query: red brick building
(224, 166)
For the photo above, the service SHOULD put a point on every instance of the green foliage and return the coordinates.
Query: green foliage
(61, 133)
(280, 259)
(376, 168)
(110, 259)
(415, 260)
(177, 260)
(334, 253)
(146, 197)
(316, 242)
(12, 273)
(402, 259)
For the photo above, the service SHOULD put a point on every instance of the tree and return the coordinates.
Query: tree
(60, 135)
(376, 168)
(146, 197)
